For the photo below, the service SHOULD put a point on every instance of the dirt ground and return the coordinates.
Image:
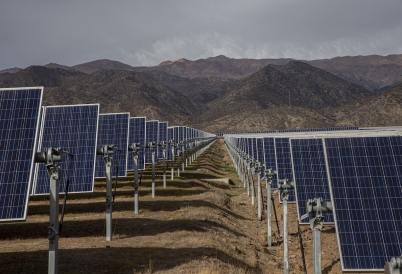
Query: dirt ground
(192, 226)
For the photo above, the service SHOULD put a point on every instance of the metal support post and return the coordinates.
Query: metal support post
(259, 193)
(285, 186)
(178, 162)
(50, 156)
(182, 155)
(269, 174)
(153, 173)
(394, 266)
(53, 230)
(135, 148)
(109, 199)
(315, 208)
(136, 184)
(252, 184)
(172, 168)
(164, 167)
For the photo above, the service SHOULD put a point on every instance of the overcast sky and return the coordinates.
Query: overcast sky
(145, 33)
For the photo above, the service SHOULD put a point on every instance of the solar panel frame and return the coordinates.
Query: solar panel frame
(162, 136)
(310, 175)
(53, 134)
(151, 136)
(137, 135)
(113, 129)
(270, 158)
(169, 148)
(24, 117)
(284, 164)
(387, 155)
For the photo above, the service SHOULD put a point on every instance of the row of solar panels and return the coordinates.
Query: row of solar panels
(360, 171)
(289, 130)
(27, 127)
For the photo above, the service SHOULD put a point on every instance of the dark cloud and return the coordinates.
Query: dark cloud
(149, 32)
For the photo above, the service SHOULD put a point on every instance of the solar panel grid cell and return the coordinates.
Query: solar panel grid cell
(366, 189)
(137, 135)
(310, 174)
(19, 124)
(72, 128)
(113, 130)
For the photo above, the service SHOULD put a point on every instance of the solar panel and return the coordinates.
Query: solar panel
(162, 136)
(284, 163)
(113, 130)
(310, 174)
(269, 158)
(169, 149)
(137, 135)
(73, 128)
(260, 150)
(19, 125)
(151, 136)
(182, 136)
(366, 190)
(254, 155)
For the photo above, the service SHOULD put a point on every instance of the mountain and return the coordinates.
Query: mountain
(281, 96)
(201, 90)
(218, 67)
(103, 64)
(383, 109)
(54, 65)
(373, 72)
(116, 91)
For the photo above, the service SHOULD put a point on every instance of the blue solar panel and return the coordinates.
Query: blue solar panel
(318, 129)
(366, 190)
(249, 145)
(72, 128)
(19, 124)
(182, 135)
(310, 174)
(254, 149)
(270, 160)
(137, 135)
(170, 137)
(113, 130)
(284, 163)
(151, 136)
(260, 150)
(162, 136)
(176, 138)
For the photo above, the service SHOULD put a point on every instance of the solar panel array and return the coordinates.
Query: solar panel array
(359, 171)
(113, 129)
(137, 135)
(19, 124)
(72, 128)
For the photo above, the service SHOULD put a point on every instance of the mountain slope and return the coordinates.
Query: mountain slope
(116, 91)
(103, 64)
(384, 109)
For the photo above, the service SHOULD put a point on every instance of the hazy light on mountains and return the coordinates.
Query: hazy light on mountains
(149, 32)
